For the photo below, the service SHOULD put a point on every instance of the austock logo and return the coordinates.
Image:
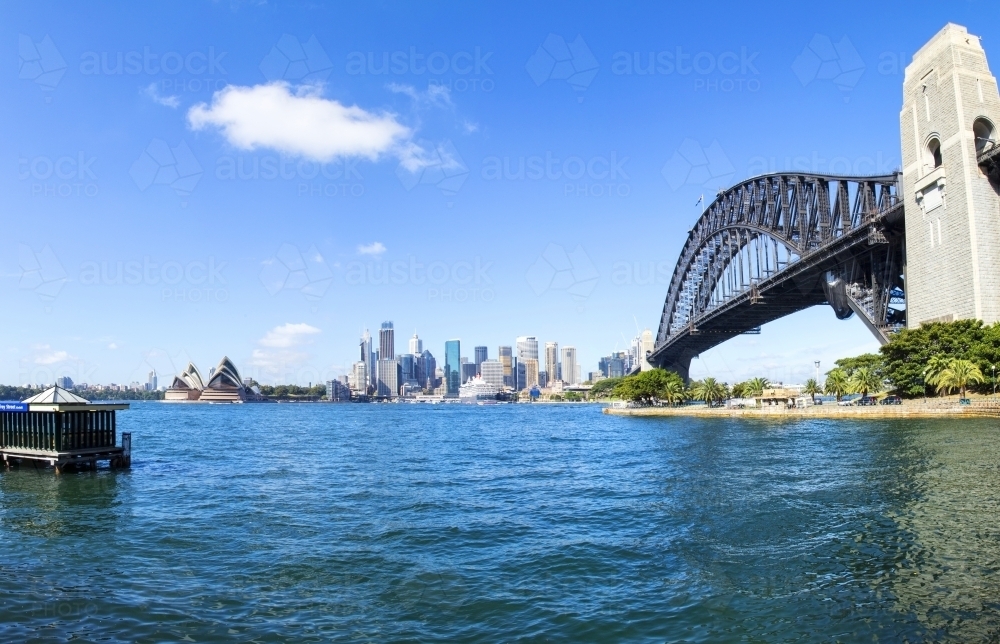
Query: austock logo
(555, 59)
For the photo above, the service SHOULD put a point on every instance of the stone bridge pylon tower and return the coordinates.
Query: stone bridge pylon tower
(951, 187)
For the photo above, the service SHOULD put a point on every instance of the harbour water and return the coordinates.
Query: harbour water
(417, 522)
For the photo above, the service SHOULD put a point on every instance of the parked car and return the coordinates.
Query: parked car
(891, 400)
(845, 403)
(865, 401)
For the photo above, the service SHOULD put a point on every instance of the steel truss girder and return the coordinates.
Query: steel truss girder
(758, 229)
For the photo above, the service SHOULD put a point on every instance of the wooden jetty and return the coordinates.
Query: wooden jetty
(61, 429)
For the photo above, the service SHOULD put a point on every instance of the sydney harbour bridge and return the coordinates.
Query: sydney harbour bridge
(778, 243)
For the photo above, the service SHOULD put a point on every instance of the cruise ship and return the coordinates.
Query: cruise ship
(478, 389)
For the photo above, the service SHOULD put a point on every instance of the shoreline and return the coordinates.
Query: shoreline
(819, 411)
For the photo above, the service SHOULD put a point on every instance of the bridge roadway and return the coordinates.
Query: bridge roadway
(864, 254)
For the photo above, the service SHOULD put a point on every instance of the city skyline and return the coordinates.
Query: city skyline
(301, 239)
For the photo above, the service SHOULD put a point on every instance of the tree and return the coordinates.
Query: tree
(836, 383)
(812, 388)
(604, 388)
(710, 390)
(673, 391)
(872, 361)
(958, 375)
(649, 386)
(910, 351)
(863, 380)
(739, 390)
(755, 386)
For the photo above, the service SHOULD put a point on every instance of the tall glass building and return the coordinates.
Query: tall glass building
(452, 366)
(481, 353)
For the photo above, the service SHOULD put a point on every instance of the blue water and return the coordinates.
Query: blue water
(317, 522)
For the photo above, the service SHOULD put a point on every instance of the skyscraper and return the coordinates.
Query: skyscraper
(530, 372)
(416, 345)
(552, 360)
(386, 341)
(492, 372)
(505, 354)
(368, 357)
(527, 347)
(569, 370)
(426, 370)
(481, 354)
(452, 366)
(388, 378)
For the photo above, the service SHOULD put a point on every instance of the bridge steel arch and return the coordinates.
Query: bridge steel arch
(779, 243)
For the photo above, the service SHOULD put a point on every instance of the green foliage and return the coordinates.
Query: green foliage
(739, 390)
(604, 388)
(914, 358)
(871, 361)
(710, 390)
(958, 374)
(836, 383)
(864, 379)
(755, 386)
(293, 391)
(8, 392)
(573, 396)
(651, 386)
(812, 388)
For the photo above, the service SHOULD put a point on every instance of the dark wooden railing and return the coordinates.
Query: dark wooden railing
(50, 431)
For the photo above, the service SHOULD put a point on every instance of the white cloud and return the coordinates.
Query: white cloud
(153, 94)
(300, 123)
(434, 96)
(112, 346)
(46, 355)
(374, 248)
(288, 335)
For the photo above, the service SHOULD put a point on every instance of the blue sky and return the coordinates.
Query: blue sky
(186, 180)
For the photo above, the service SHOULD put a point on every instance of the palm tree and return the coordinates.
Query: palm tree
(755, 386)
(739, 390)
(710, 390)
(863, 380)
(673, 391)
(836, 383)
(935, 365)
(958, 375)
(812, 388)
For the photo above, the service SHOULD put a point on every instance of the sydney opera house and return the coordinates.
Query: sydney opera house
(224, 385)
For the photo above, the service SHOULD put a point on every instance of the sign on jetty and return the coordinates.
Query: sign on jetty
(59, 428)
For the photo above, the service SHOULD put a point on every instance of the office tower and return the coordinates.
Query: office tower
(452, 366)
(481, 355)
(570, 372)
(505, 354)
(469, 371)
(407, 368)
(543, 379)
(552, 360)
(65, 382)
(368, 357)
(359, 378)
(492, 372)
(336, 391)
(151, 380)
(386, 341)
(416, 345)
(518, 369)
(527, 347)
(531, 372)
(427, 370)
(388, 378)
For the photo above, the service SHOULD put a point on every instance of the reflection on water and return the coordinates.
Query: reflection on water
(36, 502)
(326, 522)
(947, 572)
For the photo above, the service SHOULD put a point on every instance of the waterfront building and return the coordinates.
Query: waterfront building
(469, 371)
(336, 391)
(492, 372)
(388, 378)
(570, 373)
(481, 355)
(64, 382)
(552, 360)
(407, 368)
(452, 366)
(359, 378)
(187, 385)
(527, 347)
(531, 372)
(505, 355)
(519, 373)
(543, 379)
(386, 341)
(416, 345)
(225, 384)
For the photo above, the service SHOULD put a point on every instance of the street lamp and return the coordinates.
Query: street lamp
(994, 368)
